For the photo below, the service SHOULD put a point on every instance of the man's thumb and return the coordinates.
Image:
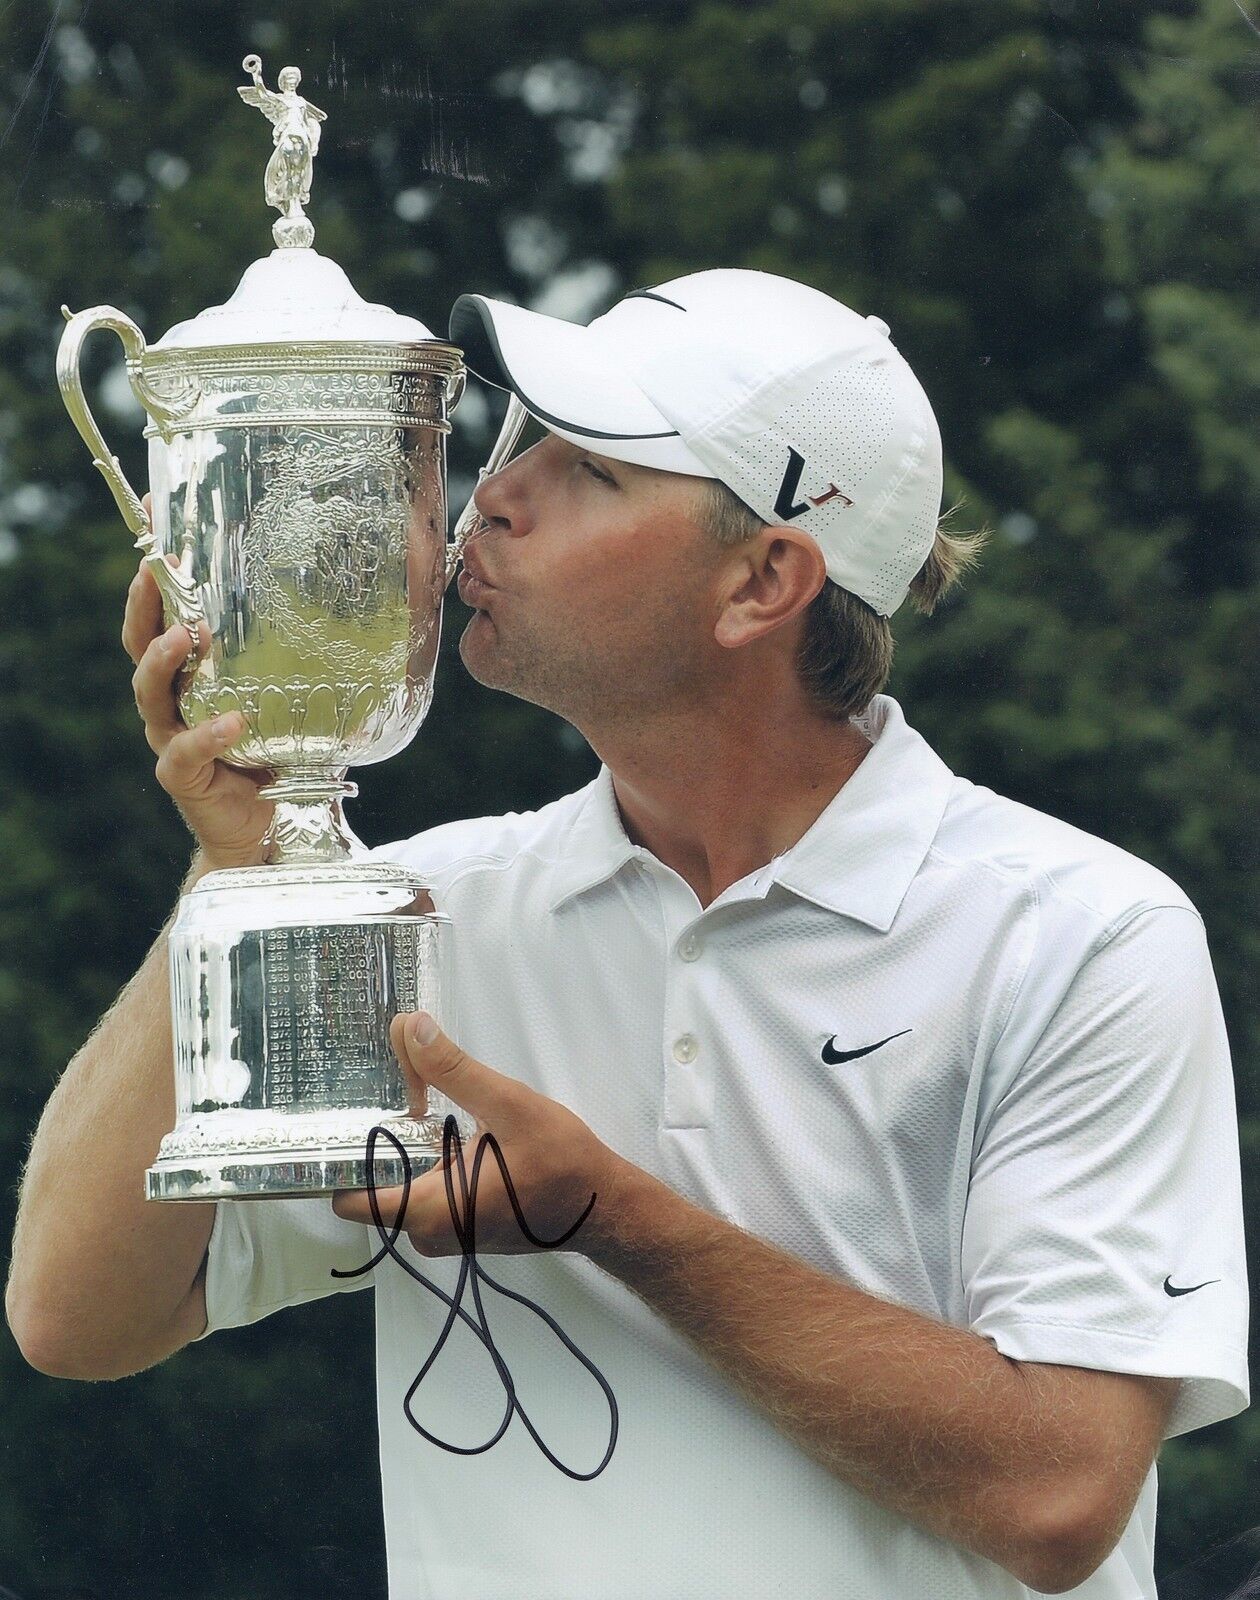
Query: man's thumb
(437, 1060)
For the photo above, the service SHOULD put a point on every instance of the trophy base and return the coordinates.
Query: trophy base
(297, 1176)
(234, 1171)
(284, 984)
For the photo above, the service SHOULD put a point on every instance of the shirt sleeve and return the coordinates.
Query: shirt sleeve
(267, 1254)
(1104, 1221)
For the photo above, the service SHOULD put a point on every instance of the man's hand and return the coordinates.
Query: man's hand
(555, 1163)
(220, 804)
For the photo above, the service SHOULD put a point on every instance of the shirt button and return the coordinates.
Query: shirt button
(690, 947)
(685, 1048)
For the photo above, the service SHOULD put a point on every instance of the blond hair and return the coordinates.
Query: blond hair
(845, 654)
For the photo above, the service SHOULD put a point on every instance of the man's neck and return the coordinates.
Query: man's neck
(716, 799)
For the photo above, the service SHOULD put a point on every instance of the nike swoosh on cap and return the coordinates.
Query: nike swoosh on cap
(833, 1056)
(1169, 1287)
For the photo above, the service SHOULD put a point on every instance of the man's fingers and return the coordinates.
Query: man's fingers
(355, 1205)
(428, 1221)
(185, 767)
(153, 683)
(142, 619)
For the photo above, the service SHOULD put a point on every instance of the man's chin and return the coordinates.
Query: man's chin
(482, 664)
(476, 625)
(495, 668)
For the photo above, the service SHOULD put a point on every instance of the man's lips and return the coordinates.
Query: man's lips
(475, 564)
(472, 590)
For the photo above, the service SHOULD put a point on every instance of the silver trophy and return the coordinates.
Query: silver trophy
(297, 468)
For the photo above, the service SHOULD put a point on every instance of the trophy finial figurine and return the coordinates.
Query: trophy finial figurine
(295, 134)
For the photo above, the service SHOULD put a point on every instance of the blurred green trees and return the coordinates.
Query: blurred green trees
(1055, 206)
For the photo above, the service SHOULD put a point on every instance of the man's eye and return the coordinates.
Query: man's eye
(595, 472)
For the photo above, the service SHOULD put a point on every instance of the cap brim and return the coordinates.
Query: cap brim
(572, 379)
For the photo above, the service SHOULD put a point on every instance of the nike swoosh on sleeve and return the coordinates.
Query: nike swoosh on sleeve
(1169, 1289)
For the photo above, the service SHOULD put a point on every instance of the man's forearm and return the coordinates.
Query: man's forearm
(98, 1272)
(927, 1419)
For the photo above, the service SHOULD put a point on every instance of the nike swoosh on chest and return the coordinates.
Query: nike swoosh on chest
(834, 1057)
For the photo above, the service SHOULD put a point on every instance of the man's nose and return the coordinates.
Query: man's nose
(499, 501)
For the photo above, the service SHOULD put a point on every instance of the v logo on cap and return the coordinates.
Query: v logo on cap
(783, 506)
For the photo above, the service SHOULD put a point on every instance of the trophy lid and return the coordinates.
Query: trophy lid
(294, 295)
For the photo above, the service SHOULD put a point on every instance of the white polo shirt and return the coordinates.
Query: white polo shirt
(1033, 1136)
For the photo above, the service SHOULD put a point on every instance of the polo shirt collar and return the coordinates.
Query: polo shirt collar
(596, 844)
(860, 855)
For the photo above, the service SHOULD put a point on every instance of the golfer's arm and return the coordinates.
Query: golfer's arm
(103, 1282)
(926, 1419)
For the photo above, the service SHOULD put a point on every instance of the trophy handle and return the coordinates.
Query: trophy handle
(470, 517)
(180, 601)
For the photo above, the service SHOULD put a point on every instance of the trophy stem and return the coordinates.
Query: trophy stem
(308, 825)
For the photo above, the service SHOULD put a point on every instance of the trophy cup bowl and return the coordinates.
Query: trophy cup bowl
(297, 468)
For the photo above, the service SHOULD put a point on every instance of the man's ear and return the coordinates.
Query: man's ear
(776, 575)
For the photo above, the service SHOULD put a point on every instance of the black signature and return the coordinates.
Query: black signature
(467, 1240)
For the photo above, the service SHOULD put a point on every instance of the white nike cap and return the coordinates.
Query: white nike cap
(804, 408)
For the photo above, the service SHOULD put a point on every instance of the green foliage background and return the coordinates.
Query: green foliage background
(1056, 207)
